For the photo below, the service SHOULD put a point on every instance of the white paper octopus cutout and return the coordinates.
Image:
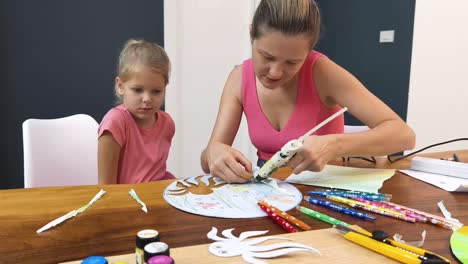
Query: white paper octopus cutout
(231, 246)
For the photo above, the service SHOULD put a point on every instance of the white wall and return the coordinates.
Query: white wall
(438, 94)
(206, 38)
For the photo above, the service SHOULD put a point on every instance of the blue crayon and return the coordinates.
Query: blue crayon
(373, 197)
(339, 208)
(387, 196)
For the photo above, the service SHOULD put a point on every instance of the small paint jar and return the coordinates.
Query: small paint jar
(161, 259)
(143, 238)
(155, 249)
(94, 260)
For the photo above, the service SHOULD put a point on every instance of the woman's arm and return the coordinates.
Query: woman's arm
(388, 133)
(219, 158)
(108, 159)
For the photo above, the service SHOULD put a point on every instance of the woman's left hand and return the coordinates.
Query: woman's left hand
(314, 154)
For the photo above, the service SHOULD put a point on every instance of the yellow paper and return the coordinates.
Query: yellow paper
(348, 178)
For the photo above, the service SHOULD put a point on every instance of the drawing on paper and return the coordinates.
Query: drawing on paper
(196, 185)
(210, 196)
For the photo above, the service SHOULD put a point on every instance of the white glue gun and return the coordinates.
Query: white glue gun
(282, 157)
(278, 160)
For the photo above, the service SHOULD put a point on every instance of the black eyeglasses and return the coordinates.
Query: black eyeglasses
(370, 159)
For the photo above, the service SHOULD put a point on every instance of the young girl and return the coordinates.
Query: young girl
(135, 137)
(286, 89)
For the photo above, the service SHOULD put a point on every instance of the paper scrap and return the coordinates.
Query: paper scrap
(135, 196)
(448, 183)
(71, 213)
(420, 243)
(455, 222)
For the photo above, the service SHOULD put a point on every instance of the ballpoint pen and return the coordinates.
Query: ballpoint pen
(339, 208)
(280, 158)
(378, 242)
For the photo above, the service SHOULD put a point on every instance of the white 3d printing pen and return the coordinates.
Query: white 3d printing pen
(282, 157)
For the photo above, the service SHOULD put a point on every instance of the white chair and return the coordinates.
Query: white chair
(60, 151)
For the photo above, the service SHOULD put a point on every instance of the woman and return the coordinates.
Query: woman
(286, 89)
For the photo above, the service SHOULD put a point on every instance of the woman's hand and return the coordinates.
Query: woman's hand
(315, 153)
(227, 163)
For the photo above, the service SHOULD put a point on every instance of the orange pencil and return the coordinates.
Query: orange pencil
(286, 216)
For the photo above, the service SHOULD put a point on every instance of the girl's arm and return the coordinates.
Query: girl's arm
(108, 159)
(388, 133)
(219, 158)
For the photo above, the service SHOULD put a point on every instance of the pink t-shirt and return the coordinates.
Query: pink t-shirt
(144, 151)
(308, 112)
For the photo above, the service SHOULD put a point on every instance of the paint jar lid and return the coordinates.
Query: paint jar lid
(146, 236)
(155, 249)
(94, 260)
(161, 259)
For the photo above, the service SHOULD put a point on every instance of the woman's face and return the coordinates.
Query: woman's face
(277, 57)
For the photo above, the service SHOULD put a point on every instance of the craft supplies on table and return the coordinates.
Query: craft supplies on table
(333, 249)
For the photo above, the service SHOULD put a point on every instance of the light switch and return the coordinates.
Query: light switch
(387, 36)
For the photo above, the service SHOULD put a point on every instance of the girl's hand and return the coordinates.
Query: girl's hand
(227, 163)
(315, 153)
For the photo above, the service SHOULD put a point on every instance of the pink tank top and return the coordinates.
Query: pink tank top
(308, 112)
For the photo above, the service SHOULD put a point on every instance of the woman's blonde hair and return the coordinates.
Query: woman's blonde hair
(290, 17)
(137, 53)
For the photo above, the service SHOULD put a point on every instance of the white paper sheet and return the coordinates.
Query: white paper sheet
(448, 183)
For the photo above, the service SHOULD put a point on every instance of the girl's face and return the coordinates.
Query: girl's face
(277, 58)
(142, 94)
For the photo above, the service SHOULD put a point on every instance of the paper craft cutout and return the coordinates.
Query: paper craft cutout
(399, 238)
(448, 183)
(231, 246)
(196, 185)
(72, 213)
(458, 242)
(135, 196)
(210, 196)
(348, 178)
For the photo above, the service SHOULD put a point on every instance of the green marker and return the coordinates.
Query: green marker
(320, 216)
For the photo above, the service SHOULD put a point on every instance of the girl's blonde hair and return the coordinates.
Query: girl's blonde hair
(137, 53)
(290, 17)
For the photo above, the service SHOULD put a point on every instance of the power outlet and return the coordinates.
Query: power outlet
(438, 166)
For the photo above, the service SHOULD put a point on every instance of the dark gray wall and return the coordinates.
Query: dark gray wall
(58, 58)
(350, 37)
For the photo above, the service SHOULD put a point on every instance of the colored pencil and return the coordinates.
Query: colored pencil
(285, 225)
(287, 216)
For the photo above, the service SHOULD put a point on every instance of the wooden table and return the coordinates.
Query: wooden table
(109, 226)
